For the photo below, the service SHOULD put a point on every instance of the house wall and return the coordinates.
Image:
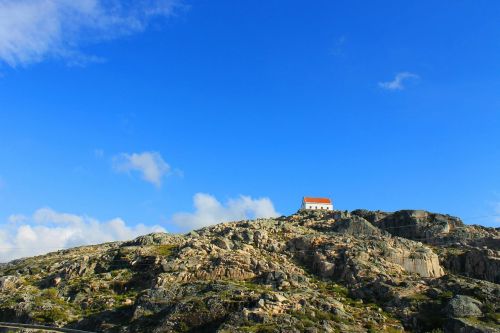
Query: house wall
(319, 206)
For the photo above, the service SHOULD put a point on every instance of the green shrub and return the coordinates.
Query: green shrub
(50, 293)
(446, 295)
(183, 327)
(323, 315)
(53, 315)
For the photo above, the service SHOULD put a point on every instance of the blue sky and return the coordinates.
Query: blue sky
(119, 117)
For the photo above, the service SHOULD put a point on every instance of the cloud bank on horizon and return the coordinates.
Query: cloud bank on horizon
(32, 30)
(47, 230)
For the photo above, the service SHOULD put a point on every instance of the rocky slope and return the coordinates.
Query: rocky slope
(364, 271)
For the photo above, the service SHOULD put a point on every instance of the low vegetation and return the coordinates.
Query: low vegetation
(300, 273)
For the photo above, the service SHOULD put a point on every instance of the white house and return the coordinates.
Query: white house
(317, 203)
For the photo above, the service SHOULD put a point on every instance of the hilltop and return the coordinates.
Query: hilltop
(313, 271)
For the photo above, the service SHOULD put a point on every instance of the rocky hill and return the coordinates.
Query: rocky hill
(360, 271)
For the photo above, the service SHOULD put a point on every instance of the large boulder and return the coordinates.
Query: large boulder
(157, 238)
(420, 225)
(356, 225)
(372, 216)
(464, 306)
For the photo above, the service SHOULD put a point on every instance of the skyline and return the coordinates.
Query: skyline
(123, 118)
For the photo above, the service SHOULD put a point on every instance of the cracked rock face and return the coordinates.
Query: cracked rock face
(474, 262)
(420, 261)
(312, 271)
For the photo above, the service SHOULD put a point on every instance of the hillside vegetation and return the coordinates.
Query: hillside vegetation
(314, 271)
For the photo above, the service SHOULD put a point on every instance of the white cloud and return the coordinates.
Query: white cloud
(17, 218)
(48, 230)
(398, 82)
(208, 210)
(150, 164)
(34, 30)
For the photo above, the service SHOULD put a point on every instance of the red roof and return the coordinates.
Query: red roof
(317, 200)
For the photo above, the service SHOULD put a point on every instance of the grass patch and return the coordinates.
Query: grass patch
(53, 315)
(418, 298)
(165, 250)
(121, 298)
(308, 319)
(482, 322)
(50, 293)
(333, 288)
(250, 285)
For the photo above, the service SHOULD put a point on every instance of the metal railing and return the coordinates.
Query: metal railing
(41, 327)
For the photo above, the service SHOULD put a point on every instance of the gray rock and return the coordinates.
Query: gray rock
(371, 216)
(247, 236)
(223, 243)
(8, 282)
(464, 325)
(157, 238)
(261, 303)
(168, 266)
(259, 238)
(420, 225)
(475, 263)
(463, 306)
(355, 226)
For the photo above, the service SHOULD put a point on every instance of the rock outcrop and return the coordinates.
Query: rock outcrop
(369, 215)
(479, 263)
(464, 306)
(8, 282)
(356, 225)
(420, 225)
(309, 272)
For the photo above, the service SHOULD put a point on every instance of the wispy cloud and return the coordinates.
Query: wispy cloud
(398, 82)
(34, 30)
(150, 165)
(48, 230)
(338, 47)
(208, 211)
(98, 153)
